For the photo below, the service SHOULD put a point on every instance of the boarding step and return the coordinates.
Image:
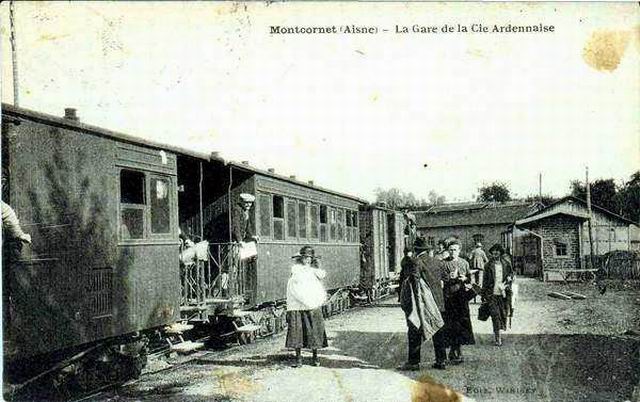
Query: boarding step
(248, 328)
(177, 328)
(187, 347)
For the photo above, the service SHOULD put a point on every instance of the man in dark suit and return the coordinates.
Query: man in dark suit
(422, 300)
(241, 230)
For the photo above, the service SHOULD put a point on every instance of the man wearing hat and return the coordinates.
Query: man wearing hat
(410, 232)
(422, 301)
(241, 230)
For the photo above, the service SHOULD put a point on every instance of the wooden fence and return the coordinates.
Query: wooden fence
(616, 265)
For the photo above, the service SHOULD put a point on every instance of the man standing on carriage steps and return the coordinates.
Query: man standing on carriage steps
(242, 235)
(422, 301)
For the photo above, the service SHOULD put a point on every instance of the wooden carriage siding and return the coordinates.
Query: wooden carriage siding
(85, 279)
(489, 223)
(564, 231)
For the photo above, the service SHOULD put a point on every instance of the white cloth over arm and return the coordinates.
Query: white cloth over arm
(304, 289)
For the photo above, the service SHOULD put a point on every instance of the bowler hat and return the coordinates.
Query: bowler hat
(420, 244)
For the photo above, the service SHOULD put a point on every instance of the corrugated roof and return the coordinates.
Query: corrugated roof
(474, 214)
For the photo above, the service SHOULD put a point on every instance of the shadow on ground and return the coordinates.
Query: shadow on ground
(527, 367)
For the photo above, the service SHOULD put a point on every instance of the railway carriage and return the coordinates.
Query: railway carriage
(101, 208)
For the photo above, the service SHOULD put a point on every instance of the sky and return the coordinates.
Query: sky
(351, 112)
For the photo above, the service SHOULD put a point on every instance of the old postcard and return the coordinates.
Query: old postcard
(320, 201)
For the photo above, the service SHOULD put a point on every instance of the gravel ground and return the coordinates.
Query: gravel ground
(556, 350)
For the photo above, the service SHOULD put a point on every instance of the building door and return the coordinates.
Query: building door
(531, 264)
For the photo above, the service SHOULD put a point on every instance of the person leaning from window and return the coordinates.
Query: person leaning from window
(496, 290)
(457, 289)
(305, 297)
(422, 301)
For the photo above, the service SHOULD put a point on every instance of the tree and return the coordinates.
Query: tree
(395, 198)
(604, 193)
(494, 192)
(629, 198)
(435, 199)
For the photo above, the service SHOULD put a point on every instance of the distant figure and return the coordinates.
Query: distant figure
(497, 290)
(477, 260)
(422, 301)
(457, 289)
(441, 252)
(305, 297)
(410, 232)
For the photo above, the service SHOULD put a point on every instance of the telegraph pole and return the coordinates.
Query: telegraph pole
(14, 52)
(540, 187)
(593, 265)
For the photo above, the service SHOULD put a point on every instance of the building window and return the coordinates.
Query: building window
(313, 220)
(132, 204)
(160, 209)
(264, 208)
(333, 223)
(292, 224)
(302, 220)
(561, 249)
(278, 217)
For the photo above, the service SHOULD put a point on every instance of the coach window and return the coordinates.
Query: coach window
(340, 225)
(313, 221)
(324, 233)
(132, 204)
(278, 217)
(350, 226)
(302, 220)
(292, 213)
(355, 226)
(264, 208)
(160, 206)
(332, 223)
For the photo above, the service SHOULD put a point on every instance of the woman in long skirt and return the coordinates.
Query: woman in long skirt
(457, 293)
(305, 297)
(496, 290)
